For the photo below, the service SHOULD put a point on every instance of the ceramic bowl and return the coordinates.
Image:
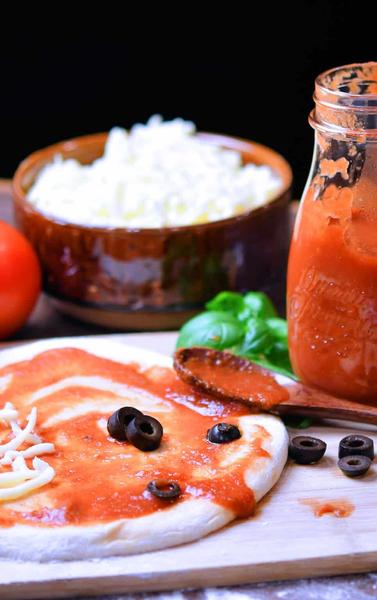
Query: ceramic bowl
(155, 278)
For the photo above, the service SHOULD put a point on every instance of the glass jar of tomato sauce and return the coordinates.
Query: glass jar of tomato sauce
(332, 274)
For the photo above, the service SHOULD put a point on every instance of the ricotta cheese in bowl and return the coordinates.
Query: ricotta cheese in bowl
(156, 175)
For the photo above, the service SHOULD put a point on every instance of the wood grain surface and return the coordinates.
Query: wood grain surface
(46, 322)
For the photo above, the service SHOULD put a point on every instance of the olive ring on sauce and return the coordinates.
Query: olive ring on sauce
(129, 424)
(164, 489)
(144, 433)
(223, 433)
(119, 420)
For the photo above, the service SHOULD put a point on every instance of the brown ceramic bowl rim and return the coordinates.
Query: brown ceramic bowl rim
(240, 144)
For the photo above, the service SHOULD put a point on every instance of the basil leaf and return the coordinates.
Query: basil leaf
(278, 355)
(230, 302)
(246, 325)
(278, 328)
(264, 362)
(257, 337)
(216, 330)
(297, 422)
(257, 304)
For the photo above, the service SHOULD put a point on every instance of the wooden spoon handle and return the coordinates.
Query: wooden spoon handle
(309, 402)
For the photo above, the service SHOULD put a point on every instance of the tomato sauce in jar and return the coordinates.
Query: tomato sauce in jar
(332, 274)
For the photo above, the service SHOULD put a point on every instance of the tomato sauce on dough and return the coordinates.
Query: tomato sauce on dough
(99, 479)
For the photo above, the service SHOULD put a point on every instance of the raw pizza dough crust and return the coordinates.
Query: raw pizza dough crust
(184, 522)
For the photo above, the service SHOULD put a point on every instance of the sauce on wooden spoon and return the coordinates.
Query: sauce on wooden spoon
(233, 378)
(228, 376)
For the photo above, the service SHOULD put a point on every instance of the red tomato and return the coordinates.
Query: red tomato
(20, 279)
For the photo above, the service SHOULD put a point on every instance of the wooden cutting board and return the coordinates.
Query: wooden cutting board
(283, 540)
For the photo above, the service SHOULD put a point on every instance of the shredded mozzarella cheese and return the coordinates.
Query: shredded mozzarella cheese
(8, 415)
(36, 450)
(22, 434)
(13, 477)
(33, 438)
(43, 475)
(21, 479)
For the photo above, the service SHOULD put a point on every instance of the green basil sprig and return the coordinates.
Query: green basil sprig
(217, 329)
(247, 325)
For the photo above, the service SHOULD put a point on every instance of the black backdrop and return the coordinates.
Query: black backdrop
(245, 70)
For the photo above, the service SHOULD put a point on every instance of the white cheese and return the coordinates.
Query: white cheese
(42, 475)
(13, 477)
(8, 414)
(31, 437)
(159, 174)
(22, 434)
(36, 450)
(21, 479)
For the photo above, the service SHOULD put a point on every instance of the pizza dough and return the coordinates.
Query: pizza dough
(77, 383)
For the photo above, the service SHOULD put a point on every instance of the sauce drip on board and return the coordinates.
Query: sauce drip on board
(337, 508)
(99, 479)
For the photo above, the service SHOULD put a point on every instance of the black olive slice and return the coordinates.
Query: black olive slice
(144, 433)
(117, 423)
(162, 488)
(356, 444)
(305, 449)
(354, 465)
(223, 433)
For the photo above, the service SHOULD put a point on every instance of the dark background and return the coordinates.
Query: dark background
(243, 70)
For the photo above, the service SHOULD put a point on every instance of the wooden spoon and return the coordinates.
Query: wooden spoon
(232, 377)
